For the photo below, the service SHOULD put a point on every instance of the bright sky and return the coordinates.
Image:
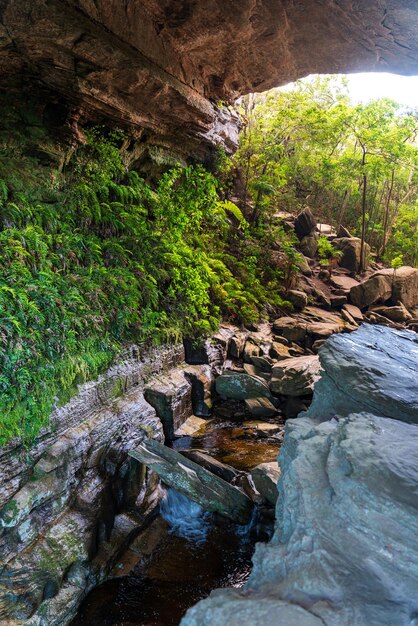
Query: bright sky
(365, 87)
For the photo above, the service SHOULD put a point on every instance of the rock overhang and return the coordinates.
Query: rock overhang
(165, 66)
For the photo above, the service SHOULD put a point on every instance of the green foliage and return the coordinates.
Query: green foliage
(96, 258)
(326, 250)
(397, 262)
(404, 236)
(310, 145)
(328, 255)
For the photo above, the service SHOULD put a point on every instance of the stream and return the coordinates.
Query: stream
(186, 552)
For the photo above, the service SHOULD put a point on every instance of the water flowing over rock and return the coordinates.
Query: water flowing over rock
(194, 481)
(186, 518)
(344, 549)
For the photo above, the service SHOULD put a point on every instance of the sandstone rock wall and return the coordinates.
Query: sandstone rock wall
(163, 66)
(70, 503)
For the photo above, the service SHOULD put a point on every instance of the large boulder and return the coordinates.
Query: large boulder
(194, 481)
(298, 298)
(241, 386)
(397, 313)
(326, 230)
(373, 368)
(346, 522)
(236, 345)
(235, 608)
(251, 349)
(343, 282)
(211, 351)
(305, 223)
(303, 265)
(353, 311)
(309, 246)
(351, 251)
(265, 477)
(323, 330)
(290, 328)
(279, 351)
(399, 286)
(404, 284)
(344, 547)
(343, 232)
(171, 396)
(375, 289)
(202, 381)
(296, 376)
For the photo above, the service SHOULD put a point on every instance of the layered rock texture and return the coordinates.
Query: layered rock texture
(370, 370)
(344, 551)
(194, 481)
(72, 502)
(161, 67)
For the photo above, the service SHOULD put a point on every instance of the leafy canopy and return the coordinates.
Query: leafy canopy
(309, 145)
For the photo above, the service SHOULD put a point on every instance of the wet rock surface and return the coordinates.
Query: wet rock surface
(194, 481)
(240, 444)
(344, 546)
(66, 502)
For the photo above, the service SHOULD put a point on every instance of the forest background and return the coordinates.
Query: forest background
(96, 254)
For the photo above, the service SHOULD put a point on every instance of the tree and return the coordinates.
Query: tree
(352, 164)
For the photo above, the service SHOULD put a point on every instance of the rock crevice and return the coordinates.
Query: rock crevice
(344, 547)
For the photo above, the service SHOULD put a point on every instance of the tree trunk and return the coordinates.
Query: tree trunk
(386, 216)
(363, 214)
(344, 206)
(255, 214)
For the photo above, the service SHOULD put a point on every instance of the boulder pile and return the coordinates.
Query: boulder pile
(344, 550)
(382, 295)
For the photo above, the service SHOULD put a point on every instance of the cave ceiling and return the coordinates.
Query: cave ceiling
(164, 65)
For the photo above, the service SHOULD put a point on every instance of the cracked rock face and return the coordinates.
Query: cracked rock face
(372, 369)
(70, 503)
(159, 66)
(344, 550)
